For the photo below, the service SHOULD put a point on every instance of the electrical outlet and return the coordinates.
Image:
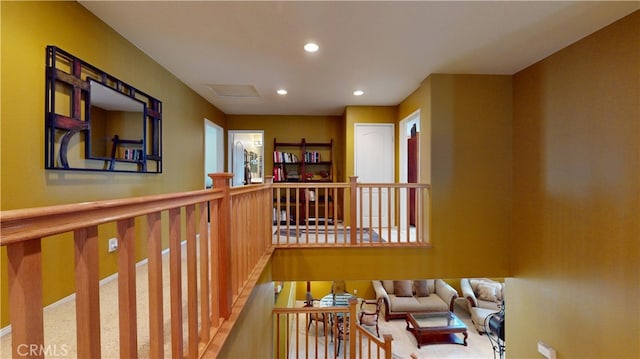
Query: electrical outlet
(113, 244)
(547, 351)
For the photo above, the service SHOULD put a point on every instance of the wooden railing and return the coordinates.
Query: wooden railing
(296, 337)
(220, 259)
(346, 214)
(229, 237)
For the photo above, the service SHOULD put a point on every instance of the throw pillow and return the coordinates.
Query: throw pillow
(422, 288)
(388, 286)
(487, 292)
(402, 288)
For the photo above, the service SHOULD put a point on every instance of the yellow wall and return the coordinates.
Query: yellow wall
(471, 169)
(294, 129)
(26, 29)
(576, 200)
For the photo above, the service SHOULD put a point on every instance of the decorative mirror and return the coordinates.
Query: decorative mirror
(95, 122)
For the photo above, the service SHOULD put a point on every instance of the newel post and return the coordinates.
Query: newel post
(221, 181)
(352, 327)
(387, 345)
(353, 205)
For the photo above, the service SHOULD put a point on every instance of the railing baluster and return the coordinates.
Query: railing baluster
(205, 321)
(87, 276)
(175, 283)
(127, 289)
(214, 272)
(25, 296)
(156, 313)
(192, 282)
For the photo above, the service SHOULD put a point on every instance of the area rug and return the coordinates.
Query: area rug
(329, 235)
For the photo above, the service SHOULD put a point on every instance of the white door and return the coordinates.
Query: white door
(374, 153)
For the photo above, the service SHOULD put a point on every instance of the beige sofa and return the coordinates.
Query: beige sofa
(415, 296)
(484, 297)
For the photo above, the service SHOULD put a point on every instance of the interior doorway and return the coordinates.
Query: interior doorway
(409, 128)
(374, 163)
(213, 151)
(246, 156)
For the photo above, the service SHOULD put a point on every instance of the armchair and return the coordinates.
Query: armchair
(370, 318)
(484, 297)
(317, 317)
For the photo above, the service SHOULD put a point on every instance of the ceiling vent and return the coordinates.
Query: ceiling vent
(235, 90)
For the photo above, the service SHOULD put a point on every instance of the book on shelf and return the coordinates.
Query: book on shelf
(312, 157)
(284, 157)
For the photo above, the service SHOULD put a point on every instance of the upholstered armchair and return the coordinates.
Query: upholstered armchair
(484, 297)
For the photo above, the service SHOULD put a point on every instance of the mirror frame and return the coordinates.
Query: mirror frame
(68, 112)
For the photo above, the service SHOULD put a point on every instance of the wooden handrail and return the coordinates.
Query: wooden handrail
(237, 240)
(210, 290)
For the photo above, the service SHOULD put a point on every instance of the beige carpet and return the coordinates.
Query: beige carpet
(60, 318)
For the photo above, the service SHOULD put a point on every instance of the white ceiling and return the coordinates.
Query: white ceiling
(385, 48)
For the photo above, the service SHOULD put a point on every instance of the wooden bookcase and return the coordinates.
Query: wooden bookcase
(303, 162)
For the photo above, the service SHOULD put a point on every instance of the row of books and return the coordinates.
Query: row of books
(133, 154)
(284, 157)
(311, 157)
(279, 175)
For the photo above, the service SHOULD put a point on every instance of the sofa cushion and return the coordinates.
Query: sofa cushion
(402, 288)
(388, 286)
(421, 287)
(405, 304)
(433, 303)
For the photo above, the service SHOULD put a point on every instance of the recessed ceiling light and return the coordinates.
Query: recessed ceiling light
(358, 93)
(282, 92)
(311, 47)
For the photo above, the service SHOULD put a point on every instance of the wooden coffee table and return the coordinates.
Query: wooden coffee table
(436, 328)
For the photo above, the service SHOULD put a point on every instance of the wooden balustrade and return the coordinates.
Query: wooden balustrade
(228, 239)
(309, 214)
(296, 337)
(227, 251)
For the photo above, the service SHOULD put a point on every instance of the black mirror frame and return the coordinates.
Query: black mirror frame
(69, 76)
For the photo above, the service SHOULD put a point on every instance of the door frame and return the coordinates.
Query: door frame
(405, 128)
(219, 150)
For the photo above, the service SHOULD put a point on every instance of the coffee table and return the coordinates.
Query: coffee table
(436, 328)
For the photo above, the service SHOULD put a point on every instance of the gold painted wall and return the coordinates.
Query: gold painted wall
(471, 169)
(293, 129)
(26, 29)
(575, 247)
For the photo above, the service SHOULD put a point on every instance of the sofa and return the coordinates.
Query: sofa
(484, 297)
(414, 296)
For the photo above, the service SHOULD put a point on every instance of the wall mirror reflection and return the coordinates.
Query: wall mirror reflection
(96, 122)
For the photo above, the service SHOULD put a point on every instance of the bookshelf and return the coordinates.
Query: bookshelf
(302, 161)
